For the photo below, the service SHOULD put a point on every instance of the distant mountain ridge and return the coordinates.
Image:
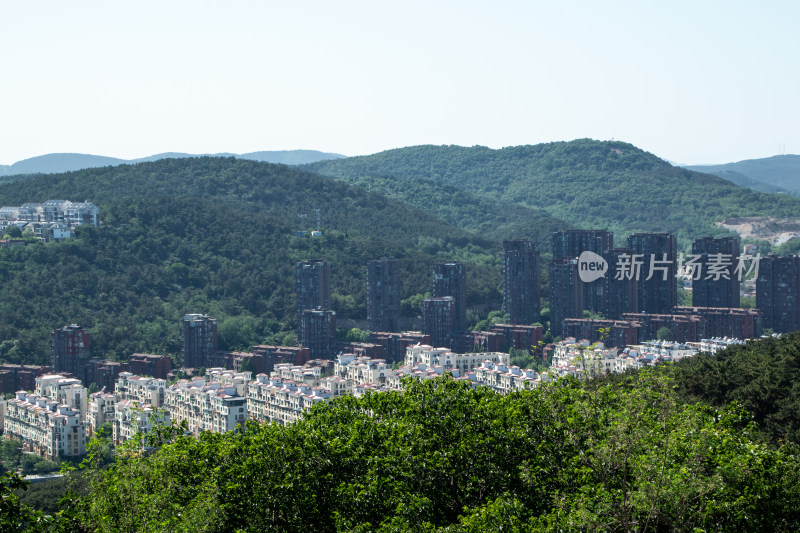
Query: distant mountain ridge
(588, 183)
(68, 162)
(779, 173)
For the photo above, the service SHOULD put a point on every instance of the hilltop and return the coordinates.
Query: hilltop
(591, 184)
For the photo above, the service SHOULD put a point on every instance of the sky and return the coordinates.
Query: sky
(694, 82)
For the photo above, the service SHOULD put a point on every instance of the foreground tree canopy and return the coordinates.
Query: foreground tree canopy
(440, 456)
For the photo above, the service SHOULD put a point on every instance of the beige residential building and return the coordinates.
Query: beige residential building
(45, 426)
(144, 390)
(101, 410)
(132, 418)
(504, 379)
(68, 391)
(361, 370)
(209, 406)
(463, 362)
(281, 401)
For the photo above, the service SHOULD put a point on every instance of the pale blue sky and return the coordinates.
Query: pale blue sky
(690, 81)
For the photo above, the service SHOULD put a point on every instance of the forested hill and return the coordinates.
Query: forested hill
(290, 194)
(781, 172)
(478, 213)
(604, 184)
(216, 236)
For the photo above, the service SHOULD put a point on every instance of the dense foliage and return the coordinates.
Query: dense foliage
(762, 376)
(440, 456)
(478, 213)
(611, 185)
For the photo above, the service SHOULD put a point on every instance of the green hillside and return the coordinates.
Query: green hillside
(216, 236)
(495, 219)
(588, 183)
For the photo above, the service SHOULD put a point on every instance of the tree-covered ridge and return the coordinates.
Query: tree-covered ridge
(154, 259)
(246, 185)
(477, 213)
(588, 183)
(779, 171)
(440, 456)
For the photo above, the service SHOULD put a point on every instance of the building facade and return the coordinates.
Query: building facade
(778, 292)
(383, 295)
(439, 319)
(199, 335)
(144, 364)
(318, 332)
(657, 286)
(570, 244)
(521, 281)
(44, 426)
(450, 279)
(313, 288)
(70, 349)
(620, 293)
(717, 282)
(566, 293)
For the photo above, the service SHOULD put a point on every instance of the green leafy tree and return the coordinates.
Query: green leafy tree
(665, 334)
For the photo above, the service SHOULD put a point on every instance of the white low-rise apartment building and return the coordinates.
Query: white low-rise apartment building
(101, 410)
(274, 399)
(132, 418)
(68, 391)
(207, 406)
(144, 390)
(361, 370)
(573, 358)
(504, 379)
(463, 362)
(715, 344)
(45, 426)
(300, 374)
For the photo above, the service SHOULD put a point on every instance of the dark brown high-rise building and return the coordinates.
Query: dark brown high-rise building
(659, 251)
(566, 293)
(70, 349)
(313, 286)
(199, 334)
(438, 320)
(718, 283)
(619, 291)
(778, 292)
(570, 244)
(319, 332)
(521, 281)
(450, 279)
(383, 295)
